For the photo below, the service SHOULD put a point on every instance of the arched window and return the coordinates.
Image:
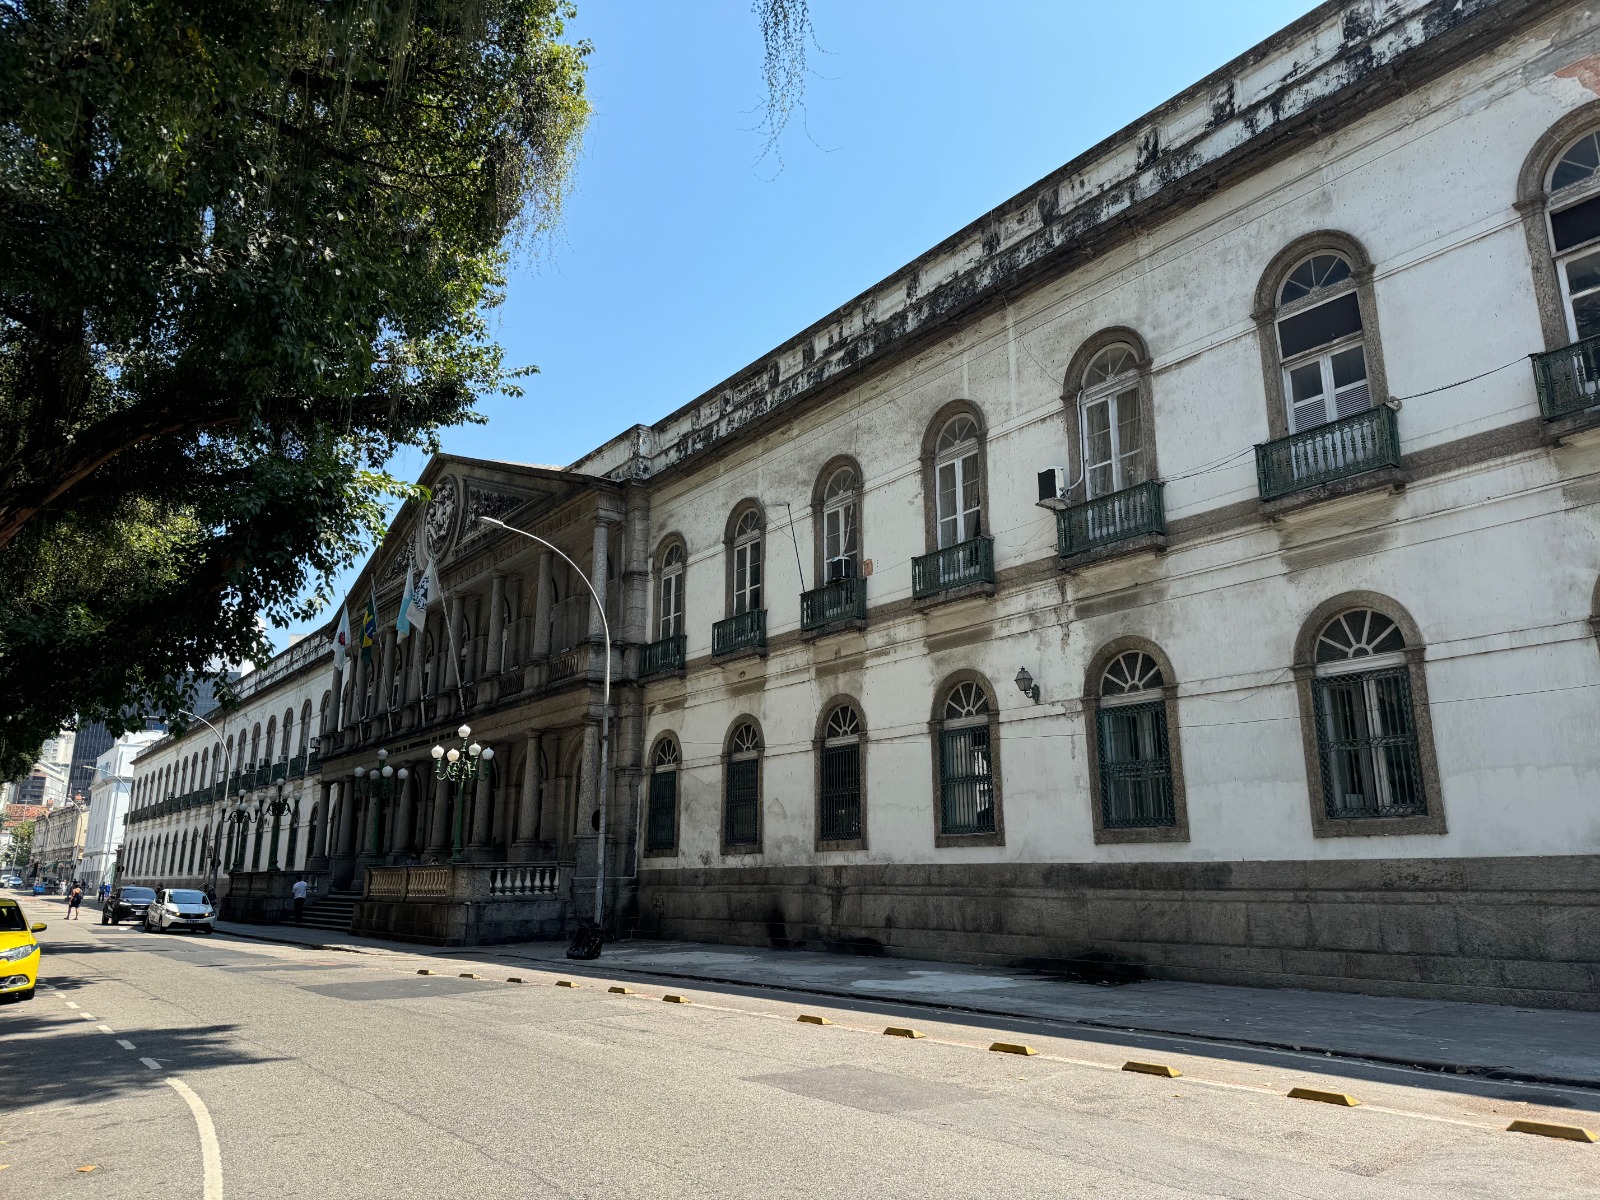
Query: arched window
(1132, 752)
(1321, 347)
(669, 593)
(1111, 421)
(269, 746)
(183, 777)
(741, 802)
(1370, 762)
(294, 833)
(305, 728)
(841, 535)
(958, 482)
(1573, 187)
(841, 745)
(661, 831)
(746, 546)
(194, 850)
(255, 745)
(966, 726)
(288, 733)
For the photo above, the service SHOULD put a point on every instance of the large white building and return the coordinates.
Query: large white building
(1199, 570)
(237, 792)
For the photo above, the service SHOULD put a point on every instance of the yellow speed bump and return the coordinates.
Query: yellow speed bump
(812, 1019)
(902, 1031)
(565, 983)
(1161, 1069)
(1572, 1133)
(1012, 1048)
(424, 971)
(621, 991)
(1340, 1098)
(671, 999)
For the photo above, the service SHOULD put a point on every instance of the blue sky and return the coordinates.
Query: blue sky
(684, 255)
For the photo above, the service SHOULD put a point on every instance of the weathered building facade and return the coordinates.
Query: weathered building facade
(1193, 564)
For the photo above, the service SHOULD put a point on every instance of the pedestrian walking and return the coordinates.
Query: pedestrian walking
(74, 901)
(299, 892)
(105, 893)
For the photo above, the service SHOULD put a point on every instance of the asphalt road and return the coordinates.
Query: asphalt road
(329, 1074)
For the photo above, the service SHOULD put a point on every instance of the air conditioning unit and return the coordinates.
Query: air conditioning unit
(1052, 488)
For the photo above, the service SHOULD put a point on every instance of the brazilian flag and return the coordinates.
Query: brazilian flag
(369, 629)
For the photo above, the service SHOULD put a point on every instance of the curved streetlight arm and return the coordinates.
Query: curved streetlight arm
(605, 715)
(227, 772)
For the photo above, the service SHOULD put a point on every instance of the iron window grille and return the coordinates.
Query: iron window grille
(663, 816)
(966, 764)
(741, 826)
(839, 798)
(1367, 742)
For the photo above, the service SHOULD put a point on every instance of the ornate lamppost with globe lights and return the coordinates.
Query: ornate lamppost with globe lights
(277, 805)
(383, 783)
(460, 766)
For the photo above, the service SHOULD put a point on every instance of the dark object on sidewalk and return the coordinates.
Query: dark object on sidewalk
(586, 942)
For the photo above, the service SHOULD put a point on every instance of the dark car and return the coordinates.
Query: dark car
(130, 902)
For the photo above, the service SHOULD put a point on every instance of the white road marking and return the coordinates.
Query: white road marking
(125, 1043)
(210, 1151)
(70, 1004)
(151, 1063)
(89, 1016)
(103, 1028)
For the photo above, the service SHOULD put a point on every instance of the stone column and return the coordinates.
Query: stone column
(317, 852)
(493, 662)
(370, 827)
(541, 608)
(358, 691)
(439, 835)
(385, 662)
(453, 644)
(519, 653)
(402, 838)
(526, 846)
(418, 641)
(599, 571)
(481, 847)
(336, 718)
(344, 859)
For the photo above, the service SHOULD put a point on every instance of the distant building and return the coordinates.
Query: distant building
(45, 785)
(108, 805)
(58, 839)
(91, 742)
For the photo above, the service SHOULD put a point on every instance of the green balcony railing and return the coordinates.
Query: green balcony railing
(658, 658)
(280, 771)
(840, 600)
(1106, 520)
(263, 775)
(1568, 379)
(1337, 450)
(953, 567)
(297, 766)
(747, 631)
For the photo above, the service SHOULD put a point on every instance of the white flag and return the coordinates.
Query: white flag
(341, 640)
(415, 609)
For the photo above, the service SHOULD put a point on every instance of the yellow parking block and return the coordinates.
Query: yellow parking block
(671, 999)
(1342, 1099)
(1144, 1068)
(902, 1031)
(469, 975)
(1571, 1133)
(812, 1019)
(1012, 1048)
(621, 991)
(565, 983)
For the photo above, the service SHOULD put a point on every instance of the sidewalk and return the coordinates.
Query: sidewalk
(1535, 1045)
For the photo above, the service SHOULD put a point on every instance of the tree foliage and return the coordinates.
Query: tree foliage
(246, 251)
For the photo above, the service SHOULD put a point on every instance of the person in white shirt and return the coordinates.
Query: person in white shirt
(299, 894)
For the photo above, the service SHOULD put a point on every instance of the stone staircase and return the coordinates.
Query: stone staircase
(332, 912)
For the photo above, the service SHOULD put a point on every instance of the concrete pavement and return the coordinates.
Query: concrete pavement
(1487, 1040)
(337, 1073)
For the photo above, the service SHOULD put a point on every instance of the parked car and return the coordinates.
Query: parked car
(14, 881)
(179, 908)
(19, 952)
(130, 902)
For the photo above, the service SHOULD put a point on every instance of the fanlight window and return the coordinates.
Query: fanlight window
(1366, 727)
(741, 801)
(670, 605)
(661, 822)
(1574, 228)
(1360, 633)
(747, 564)
(966, 765)
(1320, 343)
(1133, 743)
(841, 547)
(957, 482)
(1113, 433)
(1129, 674)
(839, 777)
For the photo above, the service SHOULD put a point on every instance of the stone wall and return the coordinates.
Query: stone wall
(1498, 930)
(463, 923)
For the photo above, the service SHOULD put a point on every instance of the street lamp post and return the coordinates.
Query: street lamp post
(277, 806)
(383, 783)
(461, 765)
(605, 720)
(227, 772)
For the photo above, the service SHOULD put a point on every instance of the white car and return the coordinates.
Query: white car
(179, 908)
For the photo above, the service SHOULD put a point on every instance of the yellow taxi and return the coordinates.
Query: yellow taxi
(19, 953)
